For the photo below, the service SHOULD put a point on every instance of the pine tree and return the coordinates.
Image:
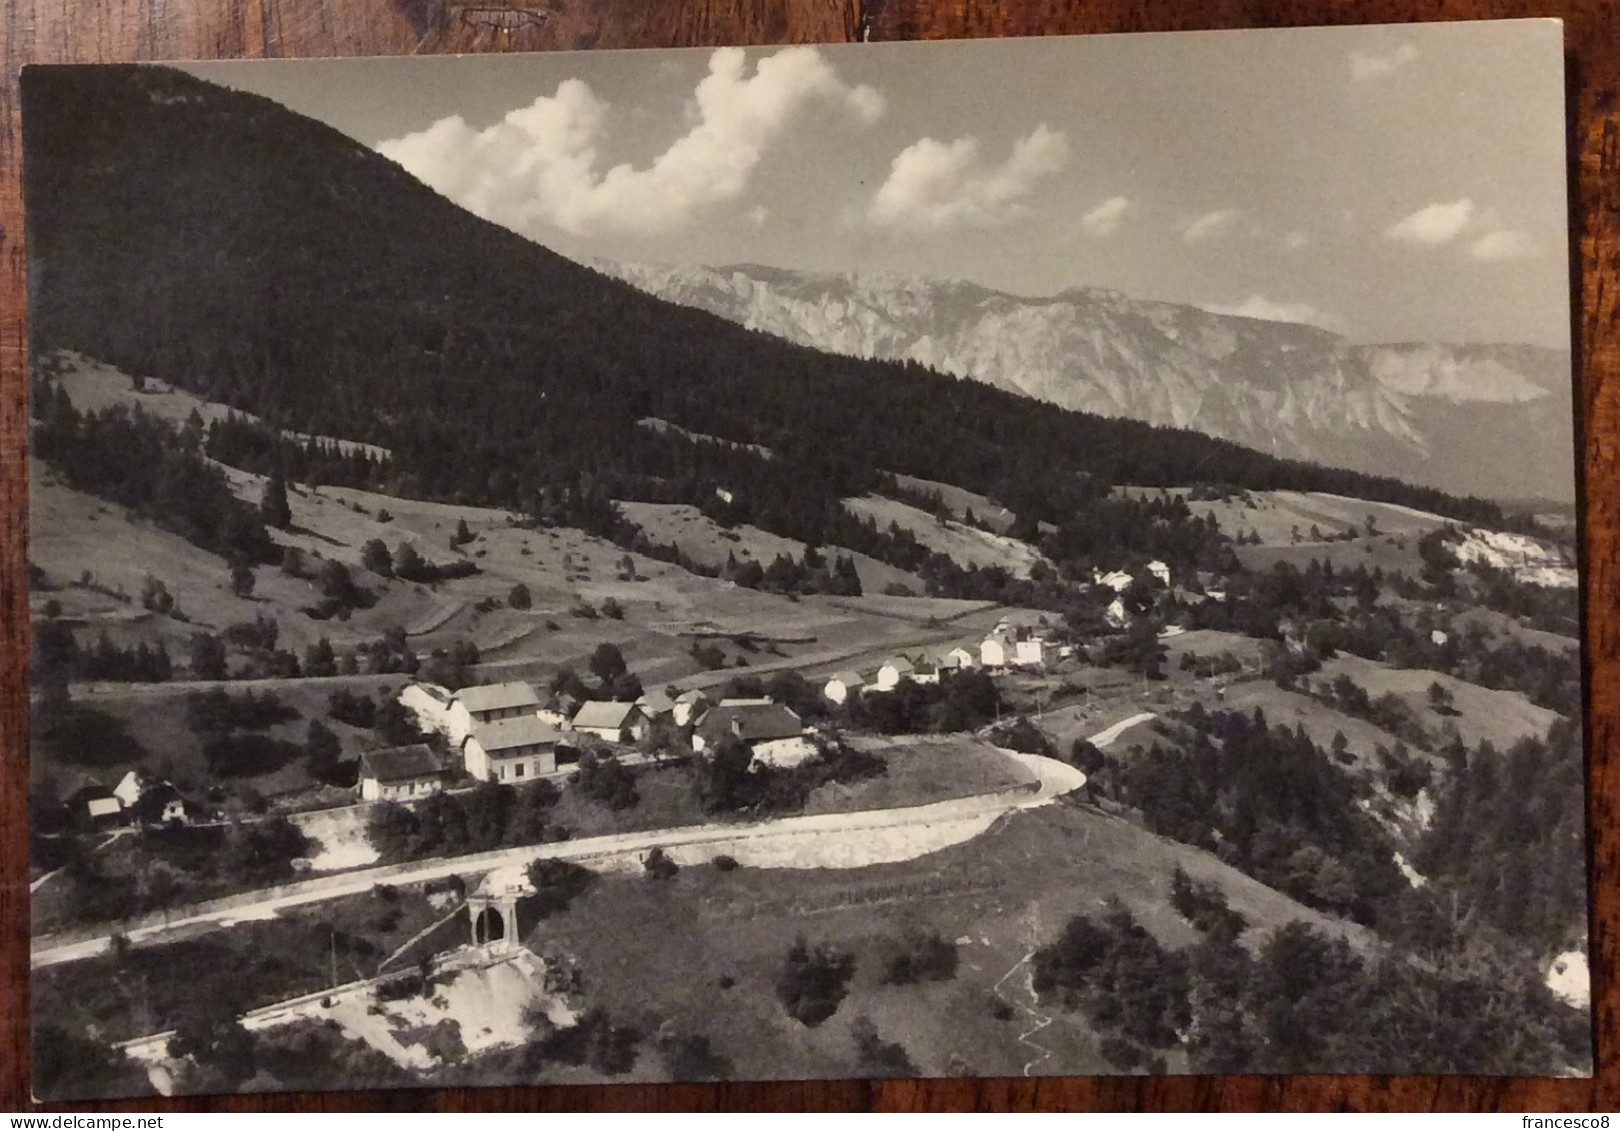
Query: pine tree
(274, 507)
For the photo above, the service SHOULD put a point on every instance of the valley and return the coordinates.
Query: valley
(455, 666)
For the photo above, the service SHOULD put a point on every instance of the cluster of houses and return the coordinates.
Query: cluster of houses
(506, 733)
(139, 799)
(1006, 647)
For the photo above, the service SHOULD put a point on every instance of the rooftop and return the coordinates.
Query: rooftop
(400, 763)
(753, 723)
(498, 697)
(525, 730)
(605, 716)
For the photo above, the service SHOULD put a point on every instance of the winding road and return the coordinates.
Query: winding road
(830, 840)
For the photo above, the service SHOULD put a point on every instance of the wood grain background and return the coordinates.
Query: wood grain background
(122, 30)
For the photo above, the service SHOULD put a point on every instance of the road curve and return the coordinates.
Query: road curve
(950, 822)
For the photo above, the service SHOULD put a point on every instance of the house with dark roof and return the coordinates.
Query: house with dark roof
(775, 734)
(611, 722)
(689, 707)
(400, 773)
(512, 750)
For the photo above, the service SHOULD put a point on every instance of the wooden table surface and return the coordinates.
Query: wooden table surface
(122, 30)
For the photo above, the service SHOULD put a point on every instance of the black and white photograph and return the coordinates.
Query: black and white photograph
(1028, 557)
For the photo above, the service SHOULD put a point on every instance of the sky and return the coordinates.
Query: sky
(1390, 183)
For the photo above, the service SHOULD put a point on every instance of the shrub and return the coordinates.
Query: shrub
(659, 866)
(725, 863)
(919, 956)
(814, 981)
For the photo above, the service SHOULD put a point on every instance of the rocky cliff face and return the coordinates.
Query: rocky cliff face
(1474, 419)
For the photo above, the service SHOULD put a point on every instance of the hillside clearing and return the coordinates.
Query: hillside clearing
(966, 545)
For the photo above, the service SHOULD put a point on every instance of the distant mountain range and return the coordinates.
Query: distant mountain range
(1471, 419)
(256, 258)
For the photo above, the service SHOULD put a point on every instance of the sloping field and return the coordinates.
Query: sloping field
(1275, 515)
(960, 501)
(709, 543)
(966, 545)
(1482, 714)
(700, 954)
(93, 385)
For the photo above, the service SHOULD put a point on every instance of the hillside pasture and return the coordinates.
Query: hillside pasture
(717, 939)
(1481, 714)
(966, 545)
(710, 544)
(960, 501)
(95, 386)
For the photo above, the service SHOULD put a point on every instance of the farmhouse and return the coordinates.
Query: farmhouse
(893, 671)
(474, 706)
(995, 652)
(161, 804)
(611, 722)
(514, 749)
(841, 685)
(1117, 580)
(656, 705)
(1033, 652)
(775, 734)
(131, 786)
(430, 703)
(401, 773)
(1116, 614)
(959, 658)
(689, 707)
(1159, 570)
(96, 805)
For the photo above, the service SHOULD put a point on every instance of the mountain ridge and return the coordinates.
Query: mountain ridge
(1294, 390)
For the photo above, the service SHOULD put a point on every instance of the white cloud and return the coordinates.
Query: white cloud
(1211, 225)
(933, 186)
(1258, 306)
(537, 167)
(1503, 244)
(1433, 225)
(1105, 219)
(1296, 240)
(1366, 65)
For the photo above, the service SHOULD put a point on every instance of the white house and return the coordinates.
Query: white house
(841, 685)
(611, 722)
(490, 703)
(1033, 652)
(1117, 580)
(401, 773)
(959, 658)
(689, 707)
(1159, 570)
(892, 672)
(430, 703)
(775, 734)
(1116, 615)
(511, 750)
(131, 786)
(995, 652)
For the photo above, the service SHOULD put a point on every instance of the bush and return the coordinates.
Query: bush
(519, 597)
(877, 1057)
(557, 883)
(919, 956)
(725, 863)
(814, 981)
(659, 866)
(1204, 905)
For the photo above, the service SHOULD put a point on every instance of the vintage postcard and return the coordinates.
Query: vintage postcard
(1034, 557)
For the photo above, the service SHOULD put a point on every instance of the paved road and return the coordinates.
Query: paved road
(1052, 780)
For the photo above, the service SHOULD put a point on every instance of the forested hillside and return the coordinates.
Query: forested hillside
(220, 242)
